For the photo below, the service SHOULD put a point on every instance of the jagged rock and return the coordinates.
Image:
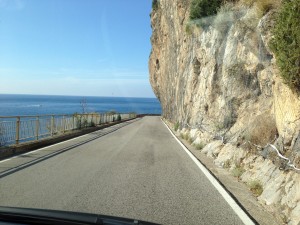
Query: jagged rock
(296, 144)
(222, 79)
(212, 149)
(295, 214)
(232, 153)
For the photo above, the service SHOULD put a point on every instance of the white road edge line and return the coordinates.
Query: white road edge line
(236, 208)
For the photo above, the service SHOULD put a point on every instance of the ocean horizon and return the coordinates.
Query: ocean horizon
(26, 104)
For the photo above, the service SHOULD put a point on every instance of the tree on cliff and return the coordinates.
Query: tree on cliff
(203, 8)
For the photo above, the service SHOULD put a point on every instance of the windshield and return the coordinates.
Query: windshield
(164, 111)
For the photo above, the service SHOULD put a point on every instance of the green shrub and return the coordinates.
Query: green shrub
(184, 136)
(200, 146)
(85, 122)
(190, 140)
(203, 8)
(119, 118)
(255, 187)
(189, 28)
(263, 6)
(229, 120)
(286, 43)
(176, 127)
(155, 4)
(227, 164)
(225, 17)
(237, 171)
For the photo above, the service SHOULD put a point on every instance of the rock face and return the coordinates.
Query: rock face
(217, 78)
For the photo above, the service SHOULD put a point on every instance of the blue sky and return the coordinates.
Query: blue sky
(75, 47)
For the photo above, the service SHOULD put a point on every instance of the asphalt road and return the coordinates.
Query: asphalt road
(138, 171)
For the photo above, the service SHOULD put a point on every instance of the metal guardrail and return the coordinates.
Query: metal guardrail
(19, 129)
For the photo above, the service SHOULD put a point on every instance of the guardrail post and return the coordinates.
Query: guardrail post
(73, 125)
(37, 122)
(17, 130)
(63, 124)
(52, 125)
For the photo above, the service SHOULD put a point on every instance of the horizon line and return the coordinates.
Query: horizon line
(82, 96)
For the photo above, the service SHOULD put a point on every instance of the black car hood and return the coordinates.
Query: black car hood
(12, 215)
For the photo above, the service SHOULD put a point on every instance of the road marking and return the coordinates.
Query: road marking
(236, 208)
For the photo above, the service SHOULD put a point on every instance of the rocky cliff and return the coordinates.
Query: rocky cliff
(218, 83)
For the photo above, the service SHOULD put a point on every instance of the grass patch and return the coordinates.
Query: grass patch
(184, 136)
(190, 140)
(189, 28)
(255, 187)
(227, 164)
(238, 171)
(176, 126)
(199, 146)
(262, 6)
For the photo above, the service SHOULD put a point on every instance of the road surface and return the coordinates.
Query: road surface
(137, 171)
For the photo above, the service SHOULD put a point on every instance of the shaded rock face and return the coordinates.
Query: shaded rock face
(219, 81)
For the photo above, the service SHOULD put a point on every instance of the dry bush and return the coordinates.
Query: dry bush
(227, 164)
(225, 17)
(256, 187)
(297, 161)
(262, 6)
(238, 171)
(261, 131)
(184, 136)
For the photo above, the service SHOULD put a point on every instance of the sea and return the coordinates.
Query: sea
(22, 105)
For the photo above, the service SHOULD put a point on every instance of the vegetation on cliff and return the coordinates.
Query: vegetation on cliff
(155, 4)
(262, 6)
(203, 8)
(286, 43)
